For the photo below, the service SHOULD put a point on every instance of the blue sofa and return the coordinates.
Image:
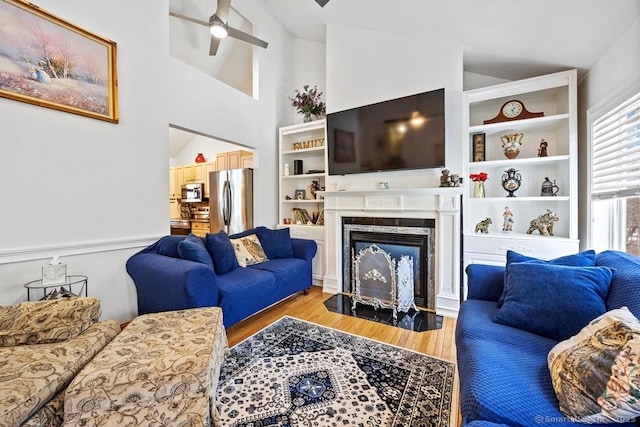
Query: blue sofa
(165, 280)
(504, 377)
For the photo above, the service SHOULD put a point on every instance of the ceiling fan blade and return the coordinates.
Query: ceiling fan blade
(213, 47)
(188, 18)
(222, 11)
(322, 3)
(240, 35)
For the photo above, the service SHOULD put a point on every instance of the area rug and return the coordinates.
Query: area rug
(296, 373)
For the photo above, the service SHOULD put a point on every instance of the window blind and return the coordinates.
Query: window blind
(615, 152)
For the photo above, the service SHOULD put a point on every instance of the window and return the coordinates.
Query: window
(615, 178)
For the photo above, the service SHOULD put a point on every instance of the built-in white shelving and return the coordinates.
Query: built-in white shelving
(555, 96)
(305, 142)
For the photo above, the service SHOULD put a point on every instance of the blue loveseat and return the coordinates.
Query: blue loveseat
(504, 376)
(179, 272)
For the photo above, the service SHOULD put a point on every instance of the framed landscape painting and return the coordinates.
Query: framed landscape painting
(52, 63)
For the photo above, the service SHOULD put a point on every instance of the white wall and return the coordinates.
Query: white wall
(309, 68)
(613, 78)
(475, 80)
(68, 181)
(365, 67)
(96, 192)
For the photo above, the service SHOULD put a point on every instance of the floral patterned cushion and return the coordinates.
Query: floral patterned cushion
(162, 366)
(49, 321)
(50, 415)
(31, 375)
(596, 373)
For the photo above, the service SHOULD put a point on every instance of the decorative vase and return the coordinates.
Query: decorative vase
(200, 158)
(478, 189)
(511, 143)
(511, 181)
(307, 117)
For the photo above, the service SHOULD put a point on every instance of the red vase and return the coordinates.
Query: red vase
(200, 158)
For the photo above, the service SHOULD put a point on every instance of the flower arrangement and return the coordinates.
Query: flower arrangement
(482, 176)
(309, 103)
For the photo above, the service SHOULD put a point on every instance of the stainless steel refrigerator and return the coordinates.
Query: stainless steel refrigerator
(231, 200)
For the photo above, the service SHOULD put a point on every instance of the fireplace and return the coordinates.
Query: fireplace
(400, 238)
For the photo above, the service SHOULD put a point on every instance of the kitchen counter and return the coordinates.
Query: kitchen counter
(199, 227)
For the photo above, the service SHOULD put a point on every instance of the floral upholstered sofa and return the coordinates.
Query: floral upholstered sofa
(162, 369)
(43, 345)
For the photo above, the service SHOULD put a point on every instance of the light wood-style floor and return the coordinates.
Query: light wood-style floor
(439, 343)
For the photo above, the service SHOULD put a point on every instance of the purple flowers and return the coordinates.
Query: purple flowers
(309, 102)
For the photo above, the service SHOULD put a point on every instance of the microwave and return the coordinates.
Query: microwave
(192, 193)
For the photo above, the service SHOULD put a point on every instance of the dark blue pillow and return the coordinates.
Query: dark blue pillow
(276, 243)
(554, 301)
(581, 259)
(625, 281)
(192, 248)
(221, 251)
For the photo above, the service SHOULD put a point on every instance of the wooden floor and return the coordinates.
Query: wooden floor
(439, 343)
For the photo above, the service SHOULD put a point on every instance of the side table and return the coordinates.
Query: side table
(69, 282)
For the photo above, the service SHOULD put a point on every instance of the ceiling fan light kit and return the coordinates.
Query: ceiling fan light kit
(219, 28)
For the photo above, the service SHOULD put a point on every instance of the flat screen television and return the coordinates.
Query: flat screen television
(402, 133)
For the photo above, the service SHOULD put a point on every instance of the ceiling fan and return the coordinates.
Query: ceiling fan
(219, 28)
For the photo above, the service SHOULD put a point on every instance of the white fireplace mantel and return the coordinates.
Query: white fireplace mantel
(441, 204)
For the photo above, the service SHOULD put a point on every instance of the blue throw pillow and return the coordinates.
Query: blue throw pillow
(221, 251)
(192, 248)
(554, 301)
(581, 259)
(276, 243)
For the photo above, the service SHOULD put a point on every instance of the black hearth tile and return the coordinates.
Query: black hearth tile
(417, 321)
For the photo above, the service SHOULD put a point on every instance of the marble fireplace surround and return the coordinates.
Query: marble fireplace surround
(440, 204)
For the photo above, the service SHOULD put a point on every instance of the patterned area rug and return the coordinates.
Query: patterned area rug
(296, 373)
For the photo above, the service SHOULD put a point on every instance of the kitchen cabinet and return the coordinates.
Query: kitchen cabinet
(547, 149)
(179, 171)
(304, 142)
(246, 162)
(174, 209)
(199, 229)
(209, 167)
(233, 159)
(174, 186)
(199, 172)
(193, 173)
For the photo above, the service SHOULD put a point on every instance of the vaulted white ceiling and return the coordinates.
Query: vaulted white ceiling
(509, 39)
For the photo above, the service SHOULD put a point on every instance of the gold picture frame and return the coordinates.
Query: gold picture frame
(478, 143)
(52, 63)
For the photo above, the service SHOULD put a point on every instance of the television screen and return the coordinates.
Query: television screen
(403, 133)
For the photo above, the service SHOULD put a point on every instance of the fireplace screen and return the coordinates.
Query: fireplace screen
(397, 237)
(382, 282)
